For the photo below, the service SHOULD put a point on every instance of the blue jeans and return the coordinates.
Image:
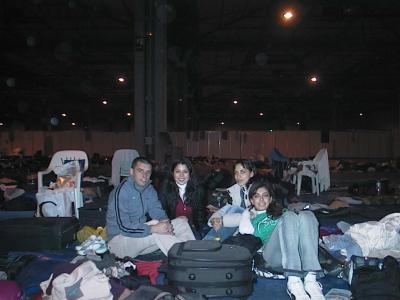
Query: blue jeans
(224, 232)
(293, 245)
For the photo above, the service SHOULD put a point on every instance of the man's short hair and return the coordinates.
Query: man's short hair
(141, 159)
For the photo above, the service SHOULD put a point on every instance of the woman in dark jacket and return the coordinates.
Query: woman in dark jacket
(181, 196)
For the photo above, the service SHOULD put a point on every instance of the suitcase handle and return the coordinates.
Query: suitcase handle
(200, 245)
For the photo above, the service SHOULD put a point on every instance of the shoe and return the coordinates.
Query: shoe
(93, 245)
(296, 291)
(314, 289)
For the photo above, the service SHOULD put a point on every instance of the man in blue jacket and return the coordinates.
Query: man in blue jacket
(130, 203)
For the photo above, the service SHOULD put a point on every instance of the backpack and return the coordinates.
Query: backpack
(375, 281)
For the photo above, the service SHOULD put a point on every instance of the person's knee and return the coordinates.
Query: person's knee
(289, 217)
(308, 217)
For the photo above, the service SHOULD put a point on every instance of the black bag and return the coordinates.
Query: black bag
(249, 241)
(372, 280)
(219, 198)
(162, 293)
(12, 265)
(32, 234)
(211, 268)
(93, 216)
(332, 265)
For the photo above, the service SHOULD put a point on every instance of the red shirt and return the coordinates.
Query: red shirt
(183, 209)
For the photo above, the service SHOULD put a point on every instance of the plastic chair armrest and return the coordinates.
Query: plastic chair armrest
(40, 176)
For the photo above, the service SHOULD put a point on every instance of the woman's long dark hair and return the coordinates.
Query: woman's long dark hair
(191, 184)
(274, 209)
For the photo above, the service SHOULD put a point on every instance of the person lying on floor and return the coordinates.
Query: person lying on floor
(181, 195)
(129, 203)
(244, 171)
(290, 241)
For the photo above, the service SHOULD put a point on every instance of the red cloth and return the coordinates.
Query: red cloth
(149, 269)
(183, 209)
(9, 290)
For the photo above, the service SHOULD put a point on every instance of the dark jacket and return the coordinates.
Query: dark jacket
(128, 205)
(169, 196)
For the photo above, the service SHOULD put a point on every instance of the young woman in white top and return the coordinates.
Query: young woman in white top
(244, 171)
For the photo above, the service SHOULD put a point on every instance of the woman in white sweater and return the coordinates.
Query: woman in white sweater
(220, 221)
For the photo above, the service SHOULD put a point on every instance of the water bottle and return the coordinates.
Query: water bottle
(378, 187)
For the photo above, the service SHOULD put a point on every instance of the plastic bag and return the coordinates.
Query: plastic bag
(55, 203)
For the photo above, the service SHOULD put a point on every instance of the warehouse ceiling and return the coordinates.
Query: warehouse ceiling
(232, 64)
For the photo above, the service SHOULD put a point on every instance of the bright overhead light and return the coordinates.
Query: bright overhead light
(180, 99)
(73, 123)
(129, 114)
(104, 102)
(260, 114)
(361, 114)
(298, 123)
(121, 79)
(222, 123)
(314, 79)
(287, 15)
(1, 123)
(235, 102)
(63, 114)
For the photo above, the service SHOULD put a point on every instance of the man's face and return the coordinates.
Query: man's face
(141, 173)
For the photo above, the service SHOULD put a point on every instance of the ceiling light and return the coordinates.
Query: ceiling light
(314, 79)
(63, 114)
(222, 123)
(298, 123)
(261, 114)
(104, 102)
(235, 102)
(361, 114)
(129, 114)
(270, 130)
(1, 123)
(180, 99)
(121, 79)
(73, 123)
(287, 15)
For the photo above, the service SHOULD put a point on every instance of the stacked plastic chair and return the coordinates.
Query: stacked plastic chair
(317, 170)
(121, 164)
(62, 157)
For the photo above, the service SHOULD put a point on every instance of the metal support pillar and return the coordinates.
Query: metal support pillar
(139, 71)
(150, 77)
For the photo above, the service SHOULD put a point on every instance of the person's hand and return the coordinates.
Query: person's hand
(216, 223)
(163, 227)
(212, 208)
(183, 218)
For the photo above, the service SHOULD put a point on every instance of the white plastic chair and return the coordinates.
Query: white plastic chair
(61, 157)
(121, 164)
(318, 171)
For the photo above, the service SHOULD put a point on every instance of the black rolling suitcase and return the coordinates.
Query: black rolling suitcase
(211, 268)
(32, 234)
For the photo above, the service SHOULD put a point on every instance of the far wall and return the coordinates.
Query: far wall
(225, 144)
